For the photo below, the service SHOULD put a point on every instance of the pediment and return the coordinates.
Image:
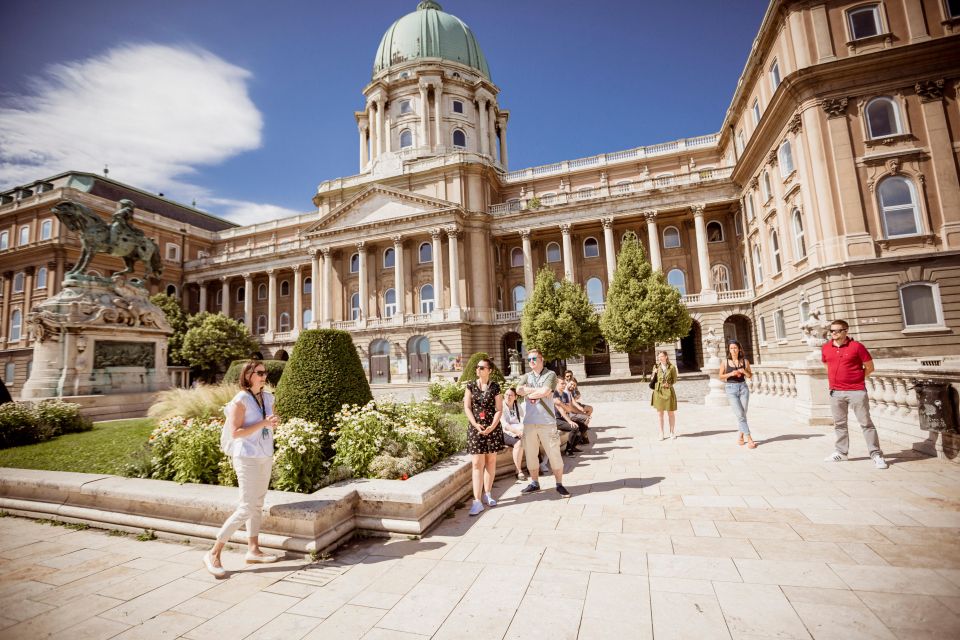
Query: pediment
(377, 205)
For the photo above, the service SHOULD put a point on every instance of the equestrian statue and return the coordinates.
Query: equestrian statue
(119, 238)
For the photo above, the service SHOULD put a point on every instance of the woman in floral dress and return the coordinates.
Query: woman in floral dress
(483, 405)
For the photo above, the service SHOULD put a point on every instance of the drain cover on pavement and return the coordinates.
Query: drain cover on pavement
(318, 574)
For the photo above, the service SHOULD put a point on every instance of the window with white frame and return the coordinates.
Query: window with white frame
(389, 303)
(799, 241)
(459, 139)
(671, 238)
(921, 305)
(757, 266)
(425, 253)
(389, 258)
(785, 154)
(767, 189)
(16, 324)
(171, 290)
(519, 297)
(883, 118)
(355, 263)
(9, 371)
(355, 306)
(24, 236)
(774, 75)
(458, 106)
(721, 277)
(591, 248)
(406, 138)
(738, 141)
(775, 252)
(4, 240)
(553, 252)
(677, 280)
(41, 279)
(285, 288)
(743, 274)
(499, 298)
(714, 231)
(19, 279)
(953, 8)
(864, 22)
(748, 205)
(426, 299)
(284, 321)
(46, 229)
(755, 110)
(804, 309)
(738, 223)
(516, 257)
(261, 292)
(241, 293)
(307, 317)
(779, 325)
(763, 329)
(173, 251)
(219, 297)
(405, 107)
(261, 324)
(595, 291)
(898, 207)
(307, 286)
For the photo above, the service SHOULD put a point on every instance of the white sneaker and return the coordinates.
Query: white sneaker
(476, 508)
(880, 462)
(673, 436)
(836, 456)
(215, 571)
(489, 500)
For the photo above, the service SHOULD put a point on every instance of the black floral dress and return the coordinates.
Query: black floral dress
(484, 407)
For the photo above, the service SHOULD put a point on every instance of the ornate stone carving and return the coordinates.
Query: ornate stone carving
(834, 107)
(795, 124)
(361, 246)
(436, 233)
(929, 90)
(815, 332)
(525, 234)
(772, 158)
(755, 182)
(115, 353)
(651, 215)
(565, 228)
(326, 252)
(397, 239)
(453, 231)
(607, 223)
(697, 210)
(893, 165)
(711, 343)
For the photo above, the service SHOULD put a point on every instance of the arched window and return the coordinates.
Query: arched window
(285, 288)
(714, 231)
(553, 252)
(307, 286)
(42, 279)
(426, 299)
(355, 263)
(406, 139)
(757, 266)
(261, 324)
(591, 248)
(241, 320)
(405, 107)
(921, 305)
(519, 297)
(738, 224)
(4, 240)
(16, 323)
(799, 242)
(219, 297)
(459, 139)
(241, 294)
(804, 310)
(389, 303)
(425, 253)
(355, 306)
(748, 202)
(284, 321)
(883, 118)
(721, 277)
(774, 75)
(499, 298)
(389, 258)
(676, 279)
(671, 238)
(775, 251)
(24, 236)
(457, 106)
(307, 317)
(864, 22)
(46, 230)
(898, 207)
(261, 292)
(785, 154)
(767, 189)
(172, 290)
(516, 257)
(595, 291)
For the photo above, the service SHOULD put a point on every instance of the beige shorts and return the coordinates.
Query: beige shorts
(546, 435)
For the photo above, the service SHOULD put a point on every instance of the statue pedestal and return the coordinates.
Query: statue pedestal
(97, 337)
(716, 394)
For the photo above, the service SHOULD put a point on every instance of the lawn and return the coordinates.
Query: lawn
(106, 449)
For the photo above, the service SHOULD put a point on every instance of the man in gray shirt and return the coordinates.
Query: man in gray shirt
(540, 423)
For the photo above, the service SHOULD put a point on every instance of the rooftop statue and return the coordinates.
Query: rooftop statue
(119, 238)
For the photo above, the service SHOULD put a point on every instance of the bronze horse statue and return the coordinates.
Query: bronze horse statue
(117, 239)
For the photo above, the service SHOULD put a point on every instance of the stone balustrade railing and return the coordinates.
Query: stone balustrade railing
(774, 381)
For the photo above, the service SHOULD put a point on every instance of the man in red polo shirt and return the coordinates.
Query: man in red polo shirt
(848, 365)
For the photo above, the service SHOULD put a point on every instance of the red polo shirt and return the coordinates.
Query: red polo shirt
(845, 365)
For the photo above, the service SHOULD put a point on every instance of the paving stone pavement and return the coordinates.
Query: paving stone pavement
(689, 538)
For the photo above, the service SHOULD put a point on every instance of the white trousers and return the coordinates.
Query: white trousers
(254, 477)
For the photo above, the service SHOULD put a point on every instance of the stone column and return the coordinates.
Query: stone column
(5, 311)
(653, 239)
(608, 248)
(484, 138)
(703, 254)
(399, 286)
(453, 234)
(203, 296)
(362, 275)
(225, 296)
(492, 129)
(528, 282)
(438, 116)
(945, 177)
(372, 123)
(436, 235)
(248, 295)
(915, 22)
(363, 147)
(27, 299)
(503, 144)
(387, 136)
(327, 288)
(567, 252)
(297, 324)
(271, 301)
(424, 141)
(315, 278)
(381, 133)
(859, 243)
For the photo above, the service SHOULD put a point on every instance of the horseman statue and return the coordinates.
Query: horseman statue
(119, 238)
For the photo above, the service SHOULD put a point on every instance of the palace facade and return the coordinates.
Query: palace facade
(832, 186)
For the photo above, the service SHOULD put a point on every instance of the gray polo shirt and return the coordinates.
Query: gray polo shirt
(540, 412)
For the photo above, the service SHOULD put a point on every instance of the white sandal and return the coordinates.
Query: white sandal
(215, 571)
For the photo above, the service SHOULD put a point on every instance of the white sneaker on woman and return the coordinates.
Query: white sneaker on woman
(476, 508)
(215, 571)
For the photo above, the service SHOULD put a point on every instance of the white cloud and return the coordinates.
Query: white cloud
(153, 113)
(245, 213)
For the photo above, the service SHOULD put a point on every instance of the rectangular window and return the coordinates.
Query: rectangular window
(9, 372)
(457, 106)
(24, 236)
(779, 324)
(173, 251)
(774, 75)
(953, 8)
(46, 230)
(4, 240)
(864, 22)
(763, 329)
(756, 112)
(921, 306)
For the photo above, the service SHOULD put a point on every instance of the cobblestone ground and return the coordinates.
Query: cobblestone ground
(691, 538)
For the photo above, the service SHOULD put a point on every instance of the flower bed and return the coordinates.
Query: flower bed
(27, 423)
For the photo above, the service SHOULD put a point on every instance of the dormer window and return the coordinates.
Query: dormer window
(864, 22)
(457, 106)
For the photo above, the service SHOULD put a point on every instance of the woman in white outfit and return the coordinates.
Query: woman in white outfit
(248, 440)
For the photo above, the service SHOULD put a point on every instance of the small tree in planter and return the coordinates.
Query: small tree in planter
(559, 319)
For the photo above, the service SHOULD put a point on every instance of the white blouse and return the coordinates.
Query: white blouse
(256, 445)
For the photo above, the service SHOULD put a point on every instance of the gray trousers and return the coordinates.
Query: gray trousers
(841, 402)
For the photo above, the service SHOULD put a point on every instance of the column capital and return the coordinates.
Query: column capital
(772, 158)
(326, 252)
(452, 232)
(296, 267)
(247, 276)
(225, 279)
(929, 90)
(524, 233)
(697, 210)
(362, 246)
(834, 107)
(397, 240)
(272, 273)
(436, 233)
(199, 283)
(30, 270)
(565, 228)
(650, 215)
(795, 124)
(607, 223)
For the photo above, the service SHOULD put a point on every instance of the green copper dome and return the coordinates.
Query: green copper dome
(428, 32)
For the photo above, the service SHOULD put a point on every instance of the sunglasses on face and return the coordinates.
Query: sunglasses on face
(480, 366)
(837, 330)
(259, 373)
(532, 359)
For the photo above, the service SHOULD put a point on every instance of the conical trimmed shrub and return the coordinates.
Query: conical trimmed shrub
(470, 370)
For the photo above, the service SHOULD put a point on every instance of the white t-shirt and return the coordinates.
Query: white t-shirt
(256, 445)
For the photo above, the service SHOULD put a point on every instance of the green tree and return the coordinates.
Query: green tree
(470, 370)
(642, 309)
(213, 340)
(178, 321)
(558, 318)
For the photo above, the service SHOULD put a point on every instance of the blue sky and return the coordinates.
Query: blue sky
(246, 105)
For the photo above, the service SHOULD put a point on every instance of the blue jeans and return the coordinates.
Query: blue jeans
(739, 395)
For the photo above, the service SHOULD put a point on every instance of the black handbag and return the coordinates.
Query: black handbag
(653, 381)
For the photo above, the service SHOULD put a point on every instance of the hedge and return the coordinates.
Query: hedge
(274, 371)
(27, 423)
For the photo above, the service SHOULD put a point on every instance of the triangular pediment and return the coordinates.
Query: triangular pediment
(377, 205)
